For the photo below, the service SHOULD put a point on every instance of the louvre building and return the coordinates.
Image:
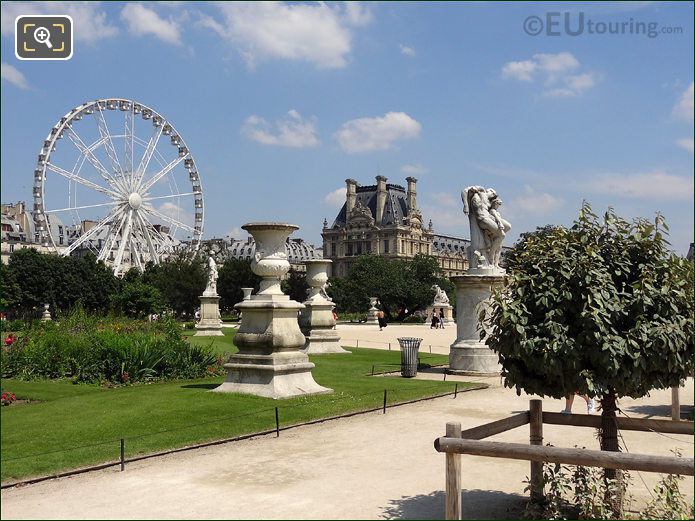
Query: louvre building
(383, 219)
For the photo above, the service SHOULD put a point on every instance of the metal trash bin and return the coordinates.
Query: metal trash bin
(409, 352)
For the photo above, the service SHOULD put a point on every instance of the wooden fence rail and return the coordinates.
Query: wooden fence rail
(470, 441)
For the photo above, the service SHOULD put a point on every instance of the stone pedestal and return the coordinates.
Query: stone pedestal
(372, 317)
(46, 315)
(209, 323)
(468, 355)
(269, 362)
(316, 319)
(448, 312)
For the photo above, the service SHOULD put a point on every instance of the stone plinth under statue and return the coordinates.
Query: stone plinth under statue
(316, 319)
(269, 362)
(372, 317)
(468, 355)
(210, 323)
(441, 303)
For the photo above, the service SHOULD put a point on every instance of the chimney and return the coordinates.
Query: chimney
(412, 193)
(380, 198)
(350, 195)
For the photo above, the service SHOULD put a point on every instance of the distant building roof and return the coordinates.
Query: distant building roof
(298, 250)
(395, 209)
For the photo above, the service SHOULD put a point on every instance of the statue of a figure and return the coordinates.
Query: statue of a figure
(440, 296)
(211, 288)
(488, 228)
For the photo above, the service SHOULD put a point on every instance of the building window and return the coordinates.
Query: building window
(412, 248)
(386, 246)
(60, 240)
(349, 249)
(368, 247)
(11, 247)
(333, 249)
(359, 248)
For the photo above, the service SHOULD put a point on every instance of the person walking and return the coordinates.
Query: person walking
(435, 321)
(569, 400)
(381, 317)
(441, 318)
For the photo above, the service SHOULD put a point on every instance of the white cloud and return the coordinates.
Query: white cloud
(446, 199)
(237, 233)
(650, 185)
(175, 212)
(534, 202)
(12, 75)
(89, 22)
(292, 131)
(317, 33)
(684, 107)
(358, 14)
(407, 50)
(555, 71)
(336, 198)
(686, 144)
(378, 133)
(414, 169)
(142, 21)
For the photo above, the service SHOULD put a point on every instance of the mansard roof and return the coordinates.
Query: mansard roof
(395, 209)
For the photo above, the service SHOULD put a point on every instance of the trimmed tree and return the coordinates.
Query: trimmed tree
(603, 308)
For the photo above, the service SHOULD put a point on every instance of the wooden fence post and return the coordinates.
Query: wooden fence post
(536, 438)
(675, 403)
(453, 476)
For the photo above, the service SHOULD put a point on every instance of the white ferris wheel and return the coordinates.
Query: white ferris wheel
(115, 177)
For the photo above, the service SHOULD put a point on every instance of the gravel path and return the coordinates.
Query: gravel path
(364, 467)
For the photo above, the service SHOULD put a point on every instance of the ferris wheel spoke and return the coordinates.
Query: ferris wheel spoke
(128, 144)
(112, 203)
(81, 180)
(98, 226)
(112, 234)
(125, 237)
(145, 226)
(89, 154)
(165, 217)
(147, 155)
(169, 196)
(108, 143)
(135, 253)
(164, 171)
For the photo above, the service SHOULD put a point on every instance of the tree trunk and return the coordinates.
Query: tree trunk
(609, 442)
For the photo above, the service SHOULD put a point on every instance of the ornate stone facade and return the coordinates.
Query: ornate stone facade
(383, 219)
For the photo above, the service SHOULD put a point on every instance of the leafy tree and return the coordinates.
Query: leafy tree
(233, 275)
(295, 285)
(9, 289)
(406, 283)
(180, 281)
(603, 308)
(137, 300)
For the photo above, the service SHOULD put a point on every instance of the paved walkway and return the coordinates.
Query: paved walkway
(365, 467)
(368, 335)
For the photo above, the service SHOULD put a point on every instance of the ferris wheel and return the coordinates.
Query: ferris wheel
(100, 187)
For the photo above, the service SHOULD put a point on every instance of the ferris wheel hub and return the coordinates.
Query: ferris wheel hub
(134, 200)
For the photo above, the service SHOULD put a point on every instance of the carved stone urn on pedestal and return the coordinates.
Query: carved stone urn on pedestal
(316, 319)
(269, 362)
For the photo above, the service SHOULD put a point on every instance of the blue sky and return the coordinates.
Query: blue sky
(279, 103)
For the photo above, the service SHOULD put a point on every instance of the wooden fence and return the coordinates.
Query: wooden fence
(471, 441)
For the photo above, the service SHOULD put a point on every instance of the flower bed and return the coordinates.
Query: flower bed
(107, 350)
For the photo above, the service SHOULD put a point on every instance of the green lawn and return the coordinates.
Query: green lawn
(165, 415)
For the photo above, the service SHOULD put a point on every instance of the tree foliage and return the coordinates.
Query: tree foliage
(395, 283)
(180, 281)
(295, 285)
(233, 275)
(137, 300)
(603, 308)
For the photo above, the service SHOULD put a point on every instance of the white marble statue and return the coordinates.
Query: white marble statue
(440, 296)
(211, 288)
(488, 228)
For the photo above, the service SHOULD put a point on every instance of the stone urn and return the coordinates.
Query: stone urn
(247, 293)
(316, 319)
(372, 317)
(269, 362)
(46, 315)
(270, 260)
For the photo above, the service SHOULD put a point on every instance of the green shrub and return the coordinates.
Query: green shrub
(92, 349)
(414, 319)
